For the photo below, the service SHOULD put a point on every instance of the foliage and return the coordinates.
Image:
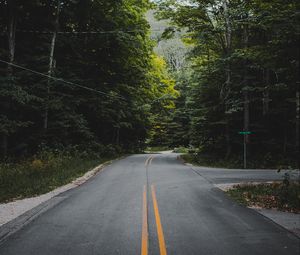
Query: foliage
(181, 150)
(163, 88)
(220, 67)
(156, 149)
(211, 159)
(45, 171)
(102, 45)
(276, 195)
(243, 74)
(170, 126)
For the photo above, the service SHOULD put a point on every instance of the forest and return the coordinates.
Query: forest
(79, 84)
(78, 73)
(96, 78)
(241, 74)
(149, 127)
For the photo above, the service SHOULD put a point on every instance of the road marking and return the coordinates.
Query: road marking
(144, 250)
(160, 233)
(147, 161)
(150, 162)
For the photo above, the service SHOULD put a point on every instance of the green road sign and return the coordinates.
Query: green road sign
(245, 133)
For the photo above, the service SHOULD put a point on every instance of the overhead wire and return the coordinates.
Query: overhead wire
(72, 83)
(84, 32)
(74, 32)
(62, 80)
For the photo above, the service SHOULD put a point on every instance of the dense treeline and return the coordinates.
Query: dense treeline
(238, 72)
(108, 79)
(243, 75)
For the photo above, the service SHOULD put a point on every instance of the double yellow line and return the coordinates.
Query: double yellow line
(160, 233)
(149, 161)
(144, 250)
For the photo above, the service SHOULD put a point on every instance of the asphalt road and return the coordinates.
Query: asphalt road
(151, 204)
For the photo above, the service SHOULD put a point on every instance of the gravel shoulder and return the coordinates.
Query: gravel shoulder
(12, 210)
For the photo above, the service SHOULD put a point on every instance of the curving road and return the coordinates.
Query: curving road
(152, 204)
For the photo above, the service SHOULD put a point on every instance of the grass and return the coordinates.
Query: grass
(157, 148)
(181, 150)
(165, 148)
(261, 162)
(210, 161)
(42, 174)
(282, 196)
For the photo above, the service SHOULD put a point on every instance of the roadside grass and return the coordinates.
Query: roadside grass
(210, 161)
(181, 150)
(42, 174)
(260, 162)
(284, 196)
(157, 148)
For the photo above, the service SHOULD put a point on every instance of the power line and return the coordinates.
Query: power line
(79, 32)
(74, 84)
(85, 32)
(63, 81)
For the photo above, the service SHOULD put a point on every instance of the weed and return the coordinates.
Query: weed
(280, 195)
(43, 173)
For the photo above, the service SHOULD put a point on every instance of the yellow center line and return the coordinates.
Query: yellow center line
(150, 162)
(144, 250)
(147, 161)
(160, 233)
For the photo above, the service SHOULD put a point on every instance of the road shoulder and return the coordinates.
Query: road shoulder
(16, 214)
(287, 220)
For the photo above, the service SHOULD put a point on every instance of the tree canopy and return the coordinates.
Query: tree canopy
(243, 74)
(77, 72)
(84, 72)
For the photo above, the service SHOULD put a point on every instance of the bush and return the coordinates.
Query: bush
(49, 169)
(180, 150)
(282, 196)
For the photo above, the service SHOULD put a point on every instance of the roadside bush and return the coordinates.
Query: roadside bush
(254, 161)
(181, 150)
(279, 195)
(50, 168)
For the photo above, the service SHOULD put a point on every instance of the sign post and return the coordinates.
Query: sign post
(245, 133)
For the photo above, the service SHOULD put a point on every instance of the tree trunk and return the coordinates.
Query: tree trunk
(11, 35)
(118, 136)
(4, 145)
(228, 28)
(51, 64)
(246, 111)
(227, 128)
(266, 93)
(285, 136)
(11, 38)
(225, 91)
(246, 98)
(297, 117)
(246, 92)
(297, 126)
(228, 138)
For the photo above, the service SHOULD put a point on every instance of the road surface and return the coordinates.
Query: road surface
(151, 204)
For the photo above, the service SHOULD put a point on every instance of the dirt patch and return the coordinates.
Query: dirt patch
(275, 195)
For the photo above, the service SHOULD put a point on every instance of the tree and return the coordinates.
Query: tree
(244, 66)
(99, 65)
